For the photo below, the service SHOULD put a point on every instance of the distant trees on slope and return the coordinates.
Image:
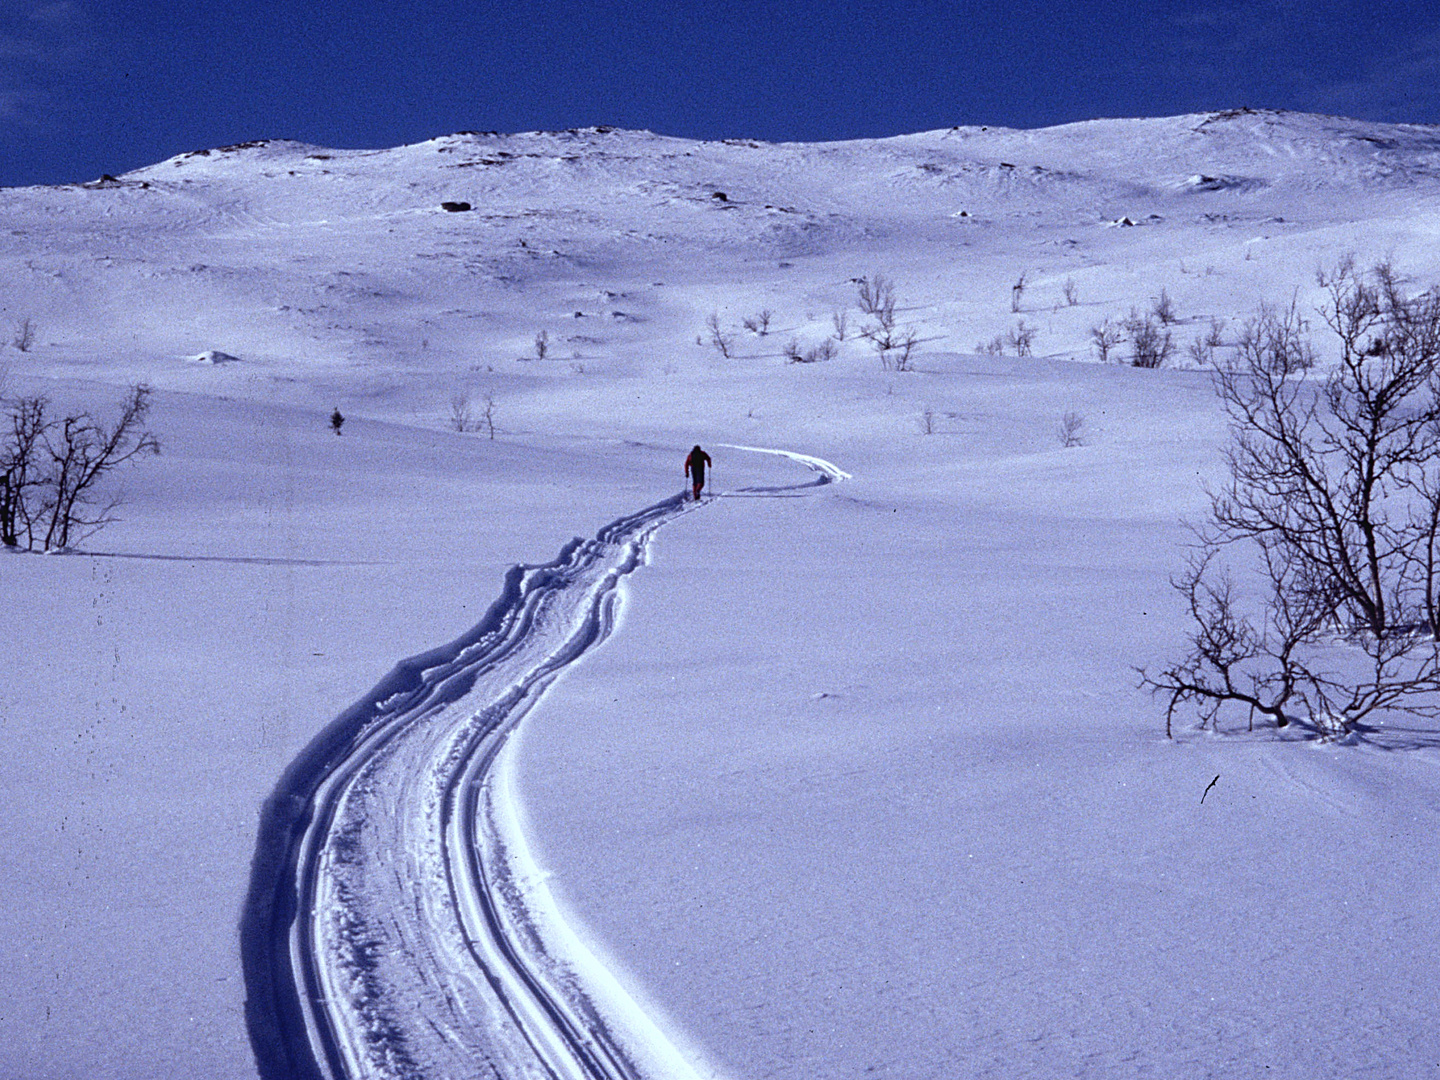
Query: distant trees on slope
(51, 469)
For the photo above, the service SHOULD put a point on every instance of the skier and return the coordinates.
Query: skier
(695, 469)
(336, 420)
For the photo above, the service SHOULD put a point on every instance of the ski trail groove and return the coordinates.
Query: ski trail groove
(386, 932)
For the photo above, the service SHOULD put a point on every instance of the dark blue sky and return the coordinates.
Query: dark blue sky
(102, 86)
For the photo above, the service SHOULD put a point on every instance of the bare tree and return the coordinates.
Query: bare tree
(877, 299)
(1150, 346)
(908, 340)
(927, 421)
(1202, 349)
(876, 296)
(1071, 430)
(22, 470)
(24, 336)
(1071, 297)
(1276, 339)
(52, 469)
(1018, 290)
(462, 416)
(1164, 309)
(1337, 486)
(719, 338)
(826, 350)
(841, 322)
(894, 346)
(487, 415)
(759, 324)
(542, 344)
(883, 339)
(1106, 338)
(1022, 338)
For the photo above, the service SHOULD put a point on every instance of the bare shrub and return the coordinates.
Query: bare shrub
(1164, 309)
(876, 297)
(759, 324)
(24, 335)
(1276, 339)
(487, 414)
(1337, 486)
(1106, 338)
(1071, 296)
(1202, 350)
(1018, 290)
(994, 347)
(1150, 346)
(841, 321)
(719, 337)
(905, 348)
(1200, 353)
(462, 414)
(927, 421)
(826, 350)
(1021, 338)
(883, 339)
(1071, 430)
(542, 344)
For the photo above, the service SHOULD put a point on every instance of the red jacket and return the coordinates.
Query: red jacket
(696, 462)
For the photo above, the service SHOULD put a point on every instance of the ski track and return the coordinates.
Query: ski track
(396, 925)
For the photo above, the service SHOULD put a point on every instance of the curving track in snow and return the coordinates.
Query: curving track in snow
(392, 927)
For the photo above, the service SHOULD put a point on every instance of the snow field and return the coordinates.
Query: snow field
(860, 782)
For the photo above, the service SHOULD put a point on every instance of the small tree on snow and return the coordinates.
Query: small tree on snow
(1150, 345)
(759, 325)
(1277, 340)
(876, 297)
(1071, 430)
(905, 347)
(1106, 338)
(487, 415)
(719, 338)
(1164, 309)
(1022, 338)
(24, 336)
(462, 418)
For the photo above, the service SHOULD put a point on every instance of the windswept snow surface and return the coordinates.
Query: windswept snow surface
(858, 784)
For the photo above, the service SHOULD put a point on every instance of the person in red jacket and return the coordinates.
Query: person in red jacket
(695, 469)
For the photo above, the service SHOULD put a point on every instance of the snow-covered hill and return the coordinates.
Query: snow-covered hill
(858, 782)
(618, 244)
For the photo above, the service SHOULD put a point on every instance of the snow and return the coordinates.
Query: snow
(856, 779)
